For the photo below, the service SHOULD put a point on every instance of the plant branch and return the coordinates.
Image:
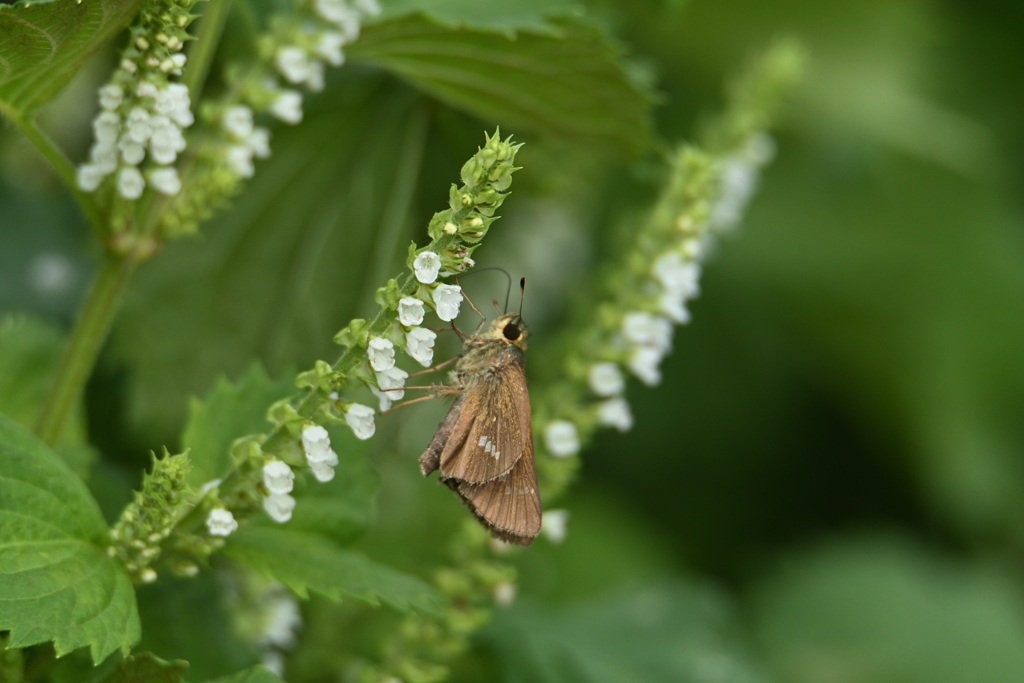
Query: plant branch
(61, 165)
(91, 330)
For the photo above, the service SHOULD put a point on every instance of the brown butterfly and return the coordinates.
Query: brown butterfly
(484, 445)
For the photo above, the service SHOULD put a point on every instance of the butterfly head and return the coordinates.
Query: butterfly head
(509, 327)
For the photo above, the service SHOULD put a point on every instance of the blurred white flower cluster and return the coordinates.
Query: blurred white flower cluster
(139, 129)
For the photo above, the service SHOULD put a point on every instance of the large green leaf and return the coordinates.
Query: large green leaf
(877, 609)
(30, 351)
(230, 411)
(56, 583)
(147, 668)
(571, 84)
(305, 562)
(256, 674)
(509, 18)
(43, 45)
(662, 632)
(340, 508)
(281, 273)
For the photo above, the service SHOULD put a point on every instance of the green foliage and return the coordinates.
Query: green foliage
(146, 667)
(43, 45)
(508, 18)
(211, 645)
(882, 609)
(230, 411)
(256, 674)
(570, 84)
(56, 581)
(305, 562)
(29, 353)
(661, 632)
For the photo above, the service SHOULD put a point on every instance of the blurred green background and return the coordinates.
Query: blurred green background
(828, 486)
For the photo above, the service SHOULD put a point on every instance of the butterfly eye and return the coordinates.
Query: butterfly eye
(511, 332)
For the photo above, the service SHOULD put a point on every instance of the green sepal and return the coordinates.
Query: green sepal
(388, 295)
(283, 414)
(321, 376)
(456, 200)
(411, 255)
(436, 227)
(355, 335)
(395, 334)
(362, 371)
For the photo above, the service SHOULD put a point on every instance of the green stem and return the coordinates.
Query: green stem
(211, 25)
(60, 163)
(91, 329)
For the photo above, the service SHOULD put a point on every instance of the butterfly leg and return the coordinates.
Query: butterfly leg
(437, 367)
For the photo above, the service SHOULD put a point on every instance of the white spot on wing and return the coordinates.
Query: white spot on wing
(483, 440)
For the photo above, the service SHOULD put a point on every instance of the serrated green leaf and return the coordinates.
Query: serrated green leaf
(305, 562)
(56, 583)
(230, 411)
(146, 667)
(279, 275)
(508, 18)
(257, 674)
(340, 508)
(30, 351)
(42, 46)
(572, 84)
(662, 632)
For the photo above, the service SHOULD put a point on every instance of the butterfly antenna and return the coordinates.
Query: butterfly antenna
(522, 294)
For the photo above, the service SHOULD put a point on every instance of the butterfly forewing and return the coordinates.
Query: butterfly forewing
(490, 435)
(510, 505)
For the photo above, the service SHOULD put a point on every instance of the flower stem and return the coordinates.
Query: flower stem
(211, 25)
(61, 165)
(91, 329)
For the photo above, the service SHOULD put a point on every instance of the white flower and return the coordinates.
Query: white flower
(761, 149)
(383, 397)
(644, 364)
(615, 413)
(259, 142)
(130, 183)
(237, 120)
(111, 97)
(737, 182)
(315, 81)
(426, 265)
(138, 124)
(410, 312)
(104, 156)
(129, 66)
(106, 126)
(220, 522)
(165, 180)
(278, 477)
(146, 89)
(147, 575)
(419, 343)
(561, 439)
(292, 63)
(446, 300)
(179, 60)
(645, 329)
(316, 443)
(132, 153)
(673, 305)
(174, 103)
(209, 486)
(287, 106)
(504, 593)
(280, 618)
(323, 470)
(239, 160)
(89, 177)
(279, 506)
(392, 379)
(554, 525)
(166, 140)
(605, 379)
(381, 353)
(676, 275)
(360, 419)
(371, 7)
(329, 47)
(340, 14)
